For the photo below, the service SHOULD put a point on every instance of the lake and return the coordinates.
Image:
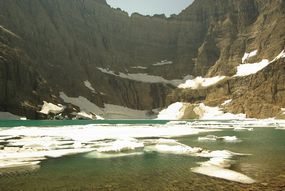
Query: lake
(142, 155)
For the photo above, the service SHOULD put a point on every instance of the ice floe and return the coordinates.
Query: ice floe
(222, 173)
(48, 108)
(216, 138)
(200, 82)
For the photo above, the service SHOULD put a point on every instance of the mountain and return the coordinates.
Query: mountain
(57, 50)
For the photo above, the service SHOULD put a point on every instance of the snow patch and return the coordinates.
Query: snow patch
(139, 67)
(172, 112)
(89, 85)
(48, 108)
(248, 69)
(162, 63)
(146, 78)
(215, 113)
(249, 55)
(227, 102)
(200, 82)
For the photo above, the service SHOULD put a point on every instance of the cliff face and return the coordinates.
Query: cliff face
(64, 42)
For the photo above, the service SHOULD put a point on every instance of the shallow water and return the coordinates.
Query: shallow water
(158, 171)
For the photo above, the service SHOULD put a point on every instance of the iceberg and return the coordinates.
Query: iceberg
(222, 173)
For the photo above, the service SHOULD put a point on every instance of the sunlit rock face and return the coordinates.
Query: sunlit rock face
(65, 42)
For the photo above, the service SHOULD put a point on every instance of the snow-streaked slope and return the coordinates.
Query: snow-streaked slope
(146, 78)
(175, 112)
(48, 108)
(88, 85)
(246, 69)
(109, 111)
(248, 55)
(200, 82)
(172, 112)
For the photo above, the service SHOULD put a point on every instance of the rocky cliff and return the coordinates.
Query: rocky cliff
(56, 45)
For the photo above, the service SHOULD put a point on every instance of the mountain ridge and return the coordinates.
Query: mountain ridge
(67, 41)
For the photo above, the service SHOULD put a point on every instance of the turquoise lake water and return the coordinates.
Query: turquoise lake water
(155, 171)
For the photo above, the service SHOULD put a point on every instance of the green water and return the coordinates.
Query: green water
(44, 123)
(153, 171)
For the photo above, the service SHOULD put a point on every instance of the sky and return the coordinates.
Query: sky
(150, 7)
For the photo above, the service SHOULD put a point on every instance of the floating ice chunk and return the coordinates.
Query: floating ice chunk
(121, 145)
(219, 154)
(200, 82)
(222, 173)
(208, 138)
(215, 138)
(173, 149)
(249, 55)
(96, 154)
(89, 85)
(242, 129)
(48, 108)
(248, 69)
(230, 138)
(219, 162)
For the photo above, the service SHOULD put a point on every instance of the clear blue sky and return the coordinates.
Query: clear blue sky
(150, 7)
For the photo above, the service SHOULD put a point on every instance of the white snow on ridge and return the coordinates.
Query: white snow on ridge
(200, 82)
(227, 102)
(139, 67)
(109, 111)
(162, 63)
(215, 113)
(172, 112)
(83, 103)
(51, 108)
(146, 78)
(249, 55)
(89, 85)
(248, 69)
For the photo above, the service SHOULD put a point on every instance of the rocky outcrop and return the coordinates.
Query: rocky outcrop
(258, 96)
(59, 44)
